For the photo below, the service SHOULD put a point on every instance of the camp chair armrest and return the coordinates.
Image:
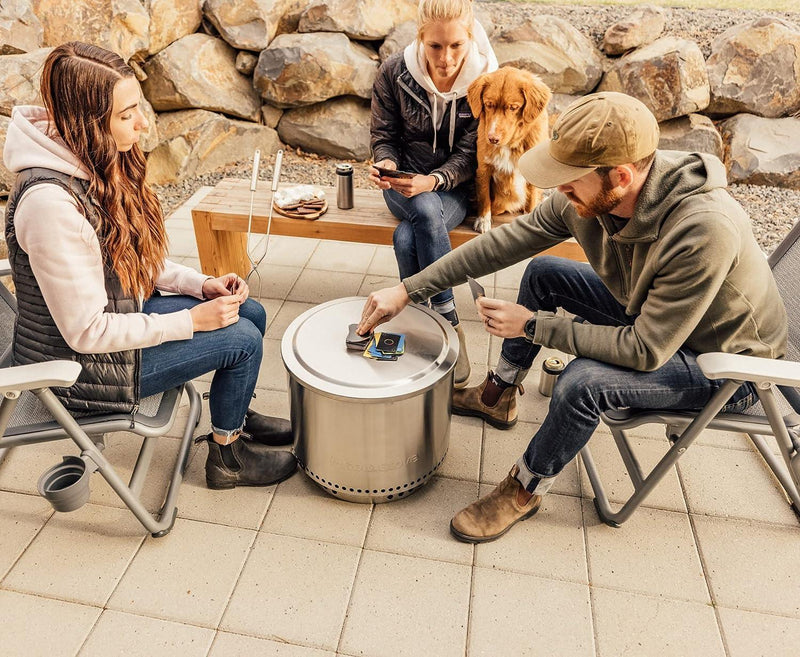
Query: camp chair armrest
(5, 267)
(750, 368)
(39, 375)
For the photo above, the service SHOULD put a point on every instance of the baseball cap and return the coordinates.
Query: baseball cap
(599, 130)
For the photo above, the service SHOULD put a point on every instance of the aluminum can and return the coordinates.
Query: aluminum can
(551, 368)
(344, 186)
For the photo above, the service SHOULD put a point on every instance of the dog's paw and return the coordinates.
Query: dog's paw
(483, 224)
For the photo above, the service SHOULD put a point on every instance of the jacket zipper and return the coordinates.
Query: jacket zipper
(137, 375)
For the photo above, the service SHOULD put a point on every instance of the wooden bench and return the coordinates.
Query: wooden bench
(220, 225)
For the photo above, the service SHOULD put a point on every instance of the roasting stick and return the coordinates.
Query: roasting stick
(254, 251)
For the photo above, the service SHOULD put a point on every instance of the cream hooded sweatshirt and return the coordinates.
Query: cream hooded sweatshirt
(480, 59)
(65, 253)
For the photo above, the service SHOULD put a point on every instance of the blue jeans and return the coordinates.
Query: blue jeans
(587, 388)
(233, 353)
(421, 237)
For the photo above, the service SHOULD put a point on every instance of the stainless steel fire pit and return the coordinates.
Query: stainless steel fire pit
(366, 430)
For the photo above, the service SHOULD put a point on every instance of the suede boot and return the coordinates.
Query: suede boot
(493, 515)
(462, 369)
(256, 464)
(268, 430)
(503, 415)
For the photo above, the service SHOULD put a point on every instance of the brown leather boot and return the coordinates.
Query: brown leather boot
(503, 415)
(462, 369)
(256, 464)
(493, 515)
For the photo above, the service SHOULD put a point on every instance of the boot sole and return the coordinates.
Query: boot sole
(228, 485)
(459, 385)
(466, 538)
(497, 424)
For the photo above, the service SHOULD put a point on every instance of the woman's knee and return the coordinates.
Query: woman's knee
(425, 210)
(255, 313)
(244, 337)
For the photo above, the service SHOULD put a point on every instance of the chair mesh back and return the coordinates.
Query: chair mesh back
(8, 313)
(785, 263)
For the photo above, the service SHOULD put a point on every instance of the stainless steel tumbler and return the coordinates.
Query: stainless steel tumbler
(551, 368)
(344, 187)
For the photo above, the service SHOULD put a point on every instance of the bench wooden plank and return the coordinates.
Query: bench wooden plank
(221, 223)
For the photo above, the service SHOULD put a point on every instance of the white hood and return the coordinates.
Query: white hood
(28, 145)
(480, 59)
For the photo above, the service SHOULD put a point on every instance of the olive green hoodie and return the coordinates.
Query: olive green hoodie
(686, 266)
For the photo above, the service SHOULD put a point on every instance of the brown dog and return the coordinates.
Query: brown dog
(511, 105)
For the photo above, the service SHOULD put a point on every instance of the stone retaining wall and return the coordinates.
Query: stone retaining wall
(222, 78)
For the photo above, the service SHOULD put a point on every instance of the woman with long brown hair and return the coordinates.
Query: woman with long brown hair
(88, 247)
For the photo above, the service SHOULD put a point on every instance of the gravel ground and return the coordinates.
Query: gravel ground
(773, 210)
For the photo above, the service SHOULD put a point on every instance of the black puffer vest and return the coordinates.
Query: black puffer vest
(108, 382)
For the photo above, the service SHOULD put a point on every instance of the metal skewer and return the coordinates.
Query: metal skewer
(254, 253)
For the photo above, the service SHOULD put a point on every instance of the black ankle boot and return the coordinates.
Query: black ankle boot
(267, 430)
(256, 464)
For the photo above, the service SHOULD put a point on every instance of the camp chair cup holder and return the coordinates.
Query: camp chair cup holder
(66, 484)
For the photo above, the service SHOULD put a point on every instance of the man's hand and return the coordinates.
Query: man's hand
(223, 286)
(503, 318)
(217, 313)
(409, 187)
(374, 176)
(381, 306)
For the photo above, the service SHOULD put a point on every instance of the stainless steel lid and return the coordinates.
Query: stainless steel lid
(314, 351)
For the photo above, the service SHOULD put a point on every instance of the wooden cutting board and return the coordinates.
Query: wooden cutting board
(302, 212)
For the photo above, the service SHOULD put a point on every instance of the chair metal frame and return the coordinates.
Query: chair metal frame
(87, 432)
(771, 377)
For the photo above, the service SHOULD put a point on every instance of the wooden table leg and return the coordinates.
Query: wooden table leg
(220, 251)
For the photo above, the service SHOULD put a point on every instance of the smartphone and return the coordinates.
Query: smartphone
(392, 173)
(476, 288)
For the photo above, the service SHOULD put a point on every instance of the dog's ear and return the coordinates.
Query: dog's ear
(475, 94)
(537, 95)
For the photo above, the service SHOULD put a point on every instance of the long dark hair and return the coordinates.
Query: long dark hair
(78, 87)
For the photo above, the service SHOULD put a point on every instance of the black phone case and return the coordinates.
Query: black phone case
(388, 343)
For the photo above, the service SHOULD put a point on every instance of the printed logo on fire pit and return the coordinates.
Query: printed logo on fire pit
(373, 467)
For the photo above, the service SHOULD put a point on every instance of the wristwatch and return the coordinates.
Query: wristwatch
(530, 328)
(439, 181)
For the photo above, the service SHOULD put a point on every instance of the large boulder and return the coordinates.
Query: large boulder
(20, 30)
(367, 20)
(338, 127)
(196, 142)
(694, 133)
(303, 69)
(6, 177)
(567, 61)
(170, 20)
(118, 25)
(149, 140)
(755, 68)
(199, 71)
(762, 151)
(400, 36)
(19, 79)
(643, 26)
(246, 24)
(669, 76)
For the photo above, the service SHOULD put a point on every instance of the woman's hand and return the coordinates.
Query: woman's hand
(409, 187)
(226, 285)
(503, 318)
(375, 177)
(216, 314)
(381, 306)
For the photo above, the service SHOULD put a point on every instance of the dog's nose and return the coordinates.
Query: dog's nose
(493, 139)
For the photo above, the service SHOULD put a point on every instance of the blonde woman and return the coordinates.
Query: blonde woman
(422, 123)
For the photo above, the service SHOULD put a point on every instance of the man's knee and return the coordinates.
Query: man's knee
(581, 385)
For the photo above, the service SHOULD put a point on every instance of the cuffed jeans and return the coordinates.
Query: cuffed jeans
(422, 237)
(233, 353)
(587, 388)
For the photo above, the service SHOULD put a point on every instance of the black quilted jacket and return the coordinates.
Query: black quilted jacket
(402, 128)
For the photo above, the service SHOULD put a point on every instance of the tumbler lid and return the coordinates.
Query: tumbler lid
(314, 352)
(344, 169)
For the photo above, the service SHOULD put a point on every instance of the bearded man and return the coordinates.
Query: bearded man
(674, 271)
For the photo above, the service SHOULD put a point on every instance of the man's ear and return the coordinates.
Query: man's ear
(623, 175)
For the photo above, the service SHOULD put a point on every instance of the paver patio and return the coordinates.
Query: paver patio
(709, 566)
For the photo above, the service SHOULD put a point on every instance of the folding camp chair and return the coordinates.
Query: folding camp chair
(30, 413)
(776, 414)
